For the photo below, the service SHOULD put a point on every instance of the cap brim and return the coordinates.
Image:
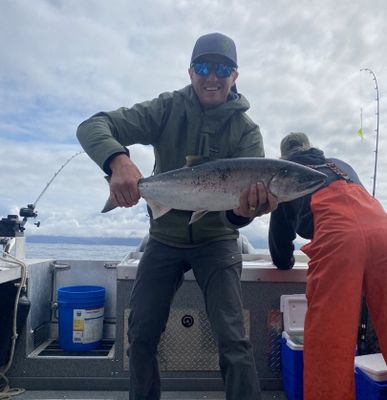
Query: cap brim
(227, 59)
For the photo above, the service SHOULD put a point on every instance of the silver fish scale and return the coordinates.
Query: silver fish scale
(201, 192)
(216, 185)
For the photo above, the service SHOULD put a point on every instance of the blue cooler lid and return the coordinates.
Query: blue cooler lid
(293, 307)
(373, 365)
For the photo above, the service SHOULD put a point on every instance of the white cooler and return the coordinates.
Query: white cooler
(371, 377)
(293, 308)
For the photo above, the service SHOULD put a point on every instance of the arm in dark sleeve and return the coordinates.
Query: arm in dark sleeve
(251, 143)
(106, 134)
(106, 164)
(281, 236)
(236, 220)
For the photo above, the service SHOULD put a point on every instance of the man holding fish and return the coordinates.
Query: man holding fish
(207, 119)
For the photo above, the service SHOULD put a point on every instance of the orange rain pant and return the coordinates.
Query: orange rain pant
(348, 256)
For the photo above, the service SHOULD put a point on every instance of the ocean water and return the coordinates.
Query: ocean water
(69, 251)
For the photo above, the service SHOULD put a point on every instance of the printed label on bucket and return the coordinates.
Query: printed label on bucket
(87, 325)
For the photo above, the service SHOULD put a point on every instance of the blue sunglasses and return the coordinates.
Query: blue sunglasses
(204, 69)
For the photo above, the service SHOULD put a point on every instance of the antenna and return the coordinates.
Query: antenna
(377, 128)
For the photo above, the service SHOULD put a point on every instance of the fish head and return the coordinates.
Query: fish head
(294, 181)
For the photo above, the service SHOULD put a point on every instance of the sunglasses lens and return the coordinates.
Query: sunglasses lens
(221, 70)
(202, 69)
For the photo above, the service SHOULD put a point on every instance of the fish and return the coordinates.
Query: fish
(205, 185)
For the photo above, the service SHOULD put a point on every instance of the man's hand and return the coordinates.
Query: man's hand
(256, 201)
(123, 182)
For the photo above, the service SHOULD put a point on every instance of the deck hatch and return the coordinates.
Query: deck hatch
(187, 343)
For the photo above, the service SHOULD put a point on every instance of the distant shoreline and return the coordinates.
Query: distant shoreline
(108, 241)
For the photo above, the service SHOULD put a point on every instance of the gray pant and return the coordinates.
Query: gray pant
(217, 269)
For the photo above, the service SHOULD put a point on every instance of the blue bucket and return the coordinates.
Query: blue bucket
(81, 313)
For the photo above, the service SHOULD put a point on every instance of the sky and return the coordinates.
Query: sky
(64, 60)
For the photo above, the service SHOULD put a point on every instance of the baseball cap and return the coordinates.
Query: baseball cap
(293, 143)
(215, 43)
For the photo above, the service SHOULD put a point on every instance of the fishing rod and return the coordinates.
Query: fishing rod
(54, 176)
(362, 334)
(377, 128)
(12, 224)
(12, 227)
(29, 211)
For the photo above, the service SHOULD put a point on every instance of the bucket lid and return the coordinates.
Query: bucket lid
(373, 365)
(293, 307)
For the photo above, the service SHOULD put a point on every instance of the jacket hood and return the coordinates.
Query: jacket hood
(311, 156)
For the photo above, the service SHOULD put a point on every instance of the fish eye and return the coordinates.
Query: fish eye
(283, 172)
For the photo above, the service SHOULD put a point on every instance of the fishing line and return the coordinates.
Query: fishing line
(55, 175)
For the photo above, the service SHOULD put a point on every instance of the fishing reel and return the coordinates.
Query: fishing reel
(28, 212)
(12, 226)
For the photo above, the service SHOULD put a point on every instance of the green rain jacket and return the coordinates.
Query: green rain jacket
(176, 125)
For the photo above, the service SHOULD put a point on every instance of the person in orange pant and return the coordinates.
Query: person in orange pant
(347, 229)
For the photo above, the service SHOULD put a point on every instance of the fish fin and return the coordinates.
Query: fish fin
(158, 210)
(110, 203)
(192, 160)
(197, 215)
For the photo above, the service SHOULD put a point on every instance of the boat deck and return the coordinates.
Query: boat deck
(188, 357)
(102, 395)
